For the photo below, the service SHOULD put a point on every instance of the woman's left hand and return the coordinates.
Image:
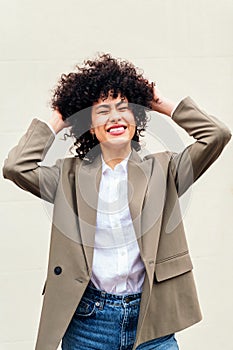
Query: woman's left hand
(161, 104)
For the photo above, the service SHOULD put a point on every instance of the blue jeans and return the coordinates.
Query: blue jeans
(104, 321)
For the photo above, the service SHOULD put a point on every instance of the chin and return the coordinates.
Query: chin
(117, 142)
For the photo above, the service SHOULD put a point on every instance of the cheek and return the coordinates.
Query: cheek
(99, 128)
(99, 133)
(132, 123)
(99, 123)
(132, 131)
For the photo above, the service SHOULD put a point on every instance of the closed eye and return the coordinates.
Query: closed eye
(122, 109)
(103, 112)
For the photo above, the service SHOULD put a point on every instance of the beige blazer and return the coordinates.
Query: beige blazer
(169, 301)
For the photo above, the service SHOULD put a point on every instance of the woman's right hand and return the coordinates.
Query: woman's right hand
(57, 122)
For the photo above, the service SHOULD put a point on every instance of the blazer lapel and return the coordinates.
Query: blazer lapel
(87, 180)
(139, 173)
(146, 191)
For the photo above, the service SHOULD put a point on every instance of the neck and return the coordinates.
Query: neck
(112, 157)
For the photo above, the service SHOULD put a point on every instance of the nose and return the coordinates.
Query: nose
(114, 116)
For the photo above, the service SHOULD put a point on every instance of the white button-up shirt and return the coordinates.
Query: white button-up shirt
(117, 265)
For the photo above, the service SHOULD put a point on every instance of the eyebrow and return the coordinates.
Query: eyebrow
(107, 105)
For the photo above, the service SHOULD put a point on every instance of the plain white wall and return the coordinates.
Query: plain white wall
(183, 45)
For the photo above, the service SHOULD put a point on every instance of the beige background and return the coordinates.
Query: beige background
(185, 46)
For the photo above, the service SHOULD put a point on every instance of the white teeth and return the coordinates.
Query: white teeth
(117, 129)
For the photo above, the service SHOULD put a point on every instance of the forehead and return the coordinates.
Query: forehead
(110, 100)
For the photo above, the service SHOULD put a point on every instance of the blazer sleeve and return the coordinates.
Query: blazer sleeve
(21, 165)
(211, 137)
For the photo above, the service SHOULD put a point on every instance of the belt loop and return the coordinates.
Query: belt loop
(103, 294)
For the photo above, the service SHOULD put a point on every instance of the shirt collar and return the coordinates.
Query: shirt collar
(122, 164)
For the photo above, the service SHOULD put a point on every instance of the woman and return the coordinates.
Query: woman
(119, 274)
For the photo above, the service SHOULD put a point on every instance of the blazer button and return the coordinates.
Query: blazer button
(57, 270)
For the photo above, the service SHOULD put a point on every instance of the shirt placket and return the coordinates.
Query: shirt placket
(121, 248)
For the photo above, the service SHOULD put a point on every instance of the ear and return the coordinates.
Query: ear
(92, 131)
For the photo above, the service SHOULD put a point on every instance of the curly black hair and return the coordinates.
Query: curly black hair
(76, 92)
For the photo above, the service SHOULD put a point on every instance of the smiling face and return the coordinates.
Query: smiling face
(113, 123)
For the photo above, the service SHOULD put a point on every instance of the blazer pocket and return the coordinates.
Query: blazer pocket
(173, 267)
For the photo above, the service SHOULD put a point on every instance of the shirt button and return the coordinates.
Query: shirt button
(97, 304)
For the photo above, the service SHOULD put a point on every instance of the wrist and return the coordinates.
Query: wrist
(55, 126)
(56, 122)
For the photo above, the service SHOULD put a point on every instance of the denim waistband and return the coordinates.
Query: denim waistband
(93, 293)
